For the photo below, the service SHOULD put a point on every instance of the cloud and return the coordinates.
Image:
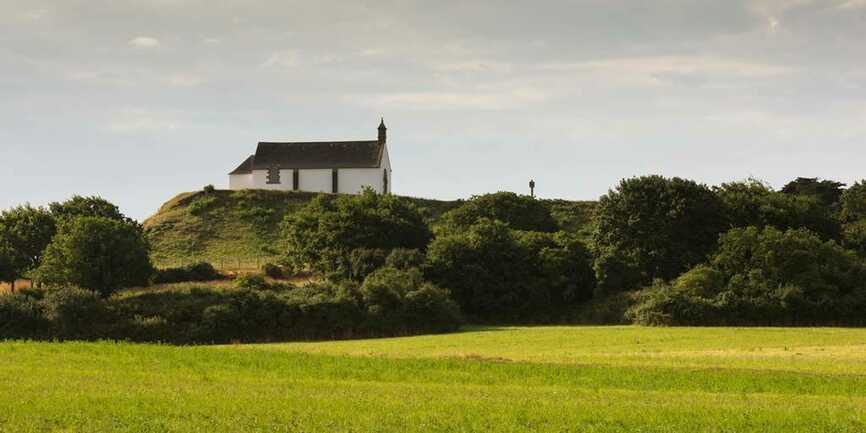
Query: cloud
(281, 59)
(489, 100)
(144, 42)
(853, 5)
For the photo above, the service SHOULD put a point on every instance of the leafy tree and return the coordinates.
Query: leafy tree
(495, 273)
(93, 206)
(853, 202)
(96, 253)
(655, 227)
(826, 192)
(752, 203)
(324, 232)
(763, 276)
(519, 212)
(25, 231)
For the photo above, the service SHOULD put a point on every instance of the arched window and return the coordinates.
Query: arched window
(385, 181)
(274, 175)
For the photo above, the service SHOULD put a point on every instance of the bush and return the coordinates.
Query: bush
(201, 271)
(518, 212)
(209, 189)
(401, 300)
(252, 282)
(853, 202)
(21, 315)
(325, 231)
(499, 274)
(75, 313)
(273, 271)
(96, 253)
(763, 277)
(403, 258)
(659, 226)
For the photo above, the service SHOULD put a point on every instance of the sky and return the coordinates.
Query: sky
(137, 101)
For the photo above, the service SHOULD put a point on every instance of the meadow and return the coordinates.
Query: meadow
(490, 379)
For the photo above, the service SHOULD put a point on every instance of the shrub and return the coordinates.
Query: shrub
(75, 313)
(209, 189)
(518, 212)
(495, 273)
(273, 271)
(201, 271)
(763, 277)
(662, 226)
(364, 261)
(401, 300)
(403, 258)
(251, 281)
(323, 233)
(853, 202)
(96, 253)
(752, 203)
(21, 315)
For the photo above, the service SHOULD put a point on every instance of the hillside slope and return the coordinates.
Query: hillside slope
(240, 229)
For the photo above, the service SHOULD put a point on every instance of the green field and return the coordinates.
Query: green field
(548, 379)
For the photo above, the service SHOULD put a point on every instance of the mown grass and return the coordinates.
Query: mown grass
(548, 379)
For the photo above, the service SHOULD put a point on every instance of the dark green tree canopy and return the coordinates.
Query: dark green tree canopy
(323, 233)
(495, 273)
(25, 231)
(853, 202)
(518, 212)
(752, 203)
(826, 192)
(658, 226)
(96, 253)
(93, 206)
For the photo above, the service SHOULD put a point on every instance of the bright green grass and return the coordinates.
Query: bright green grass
(549, 379)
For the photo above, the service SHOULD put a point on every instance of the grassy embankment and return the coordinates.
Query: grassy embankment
(240, 229)
(582, 379)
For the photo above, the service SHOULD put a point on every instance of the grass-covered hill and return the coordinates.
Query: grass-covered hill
(240, 229)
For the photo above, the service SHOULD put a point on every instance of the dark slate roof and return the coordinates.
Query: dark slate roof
(246, 167)
(330, 154)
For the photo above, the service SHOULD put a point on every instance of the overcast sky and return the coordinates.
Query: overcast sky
(138, 101)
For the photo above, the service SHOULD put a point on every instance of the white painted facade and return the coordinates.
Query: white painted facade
(349, 180)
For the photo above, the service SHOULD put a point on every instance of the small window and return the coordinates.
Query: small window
(296, 179)
(273, 175)
(385, 181)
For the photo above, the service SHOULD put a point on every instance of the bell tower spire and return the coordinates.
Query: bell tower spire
(383, 132)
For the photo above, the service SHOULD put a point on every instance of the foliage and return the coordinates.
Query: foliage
(96, 253)
(251, 281)
(763, 276)
(853, 202)
(404, 258)
(325, 231)
(25, 232)
(825, 192)
(21, 315)
(75, 313)
(656, 227)
(518, 212)
(273, 270)
(92, 206)
(854, 236)
(751, 203)
(201, 271)
(209, 189)
(395, 298)
(495, 273)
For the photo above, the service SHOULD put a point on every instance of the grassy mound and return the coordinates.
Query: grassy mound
(239, 230)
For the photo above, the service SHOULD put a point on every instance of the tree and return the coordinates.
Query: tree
(495, 273)
(826, 192)
(324, 232)
(853, 202)
(658, 227)
(518, 212)
(96, 253)
(752, 203)
(93, 206)
(25, 231)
